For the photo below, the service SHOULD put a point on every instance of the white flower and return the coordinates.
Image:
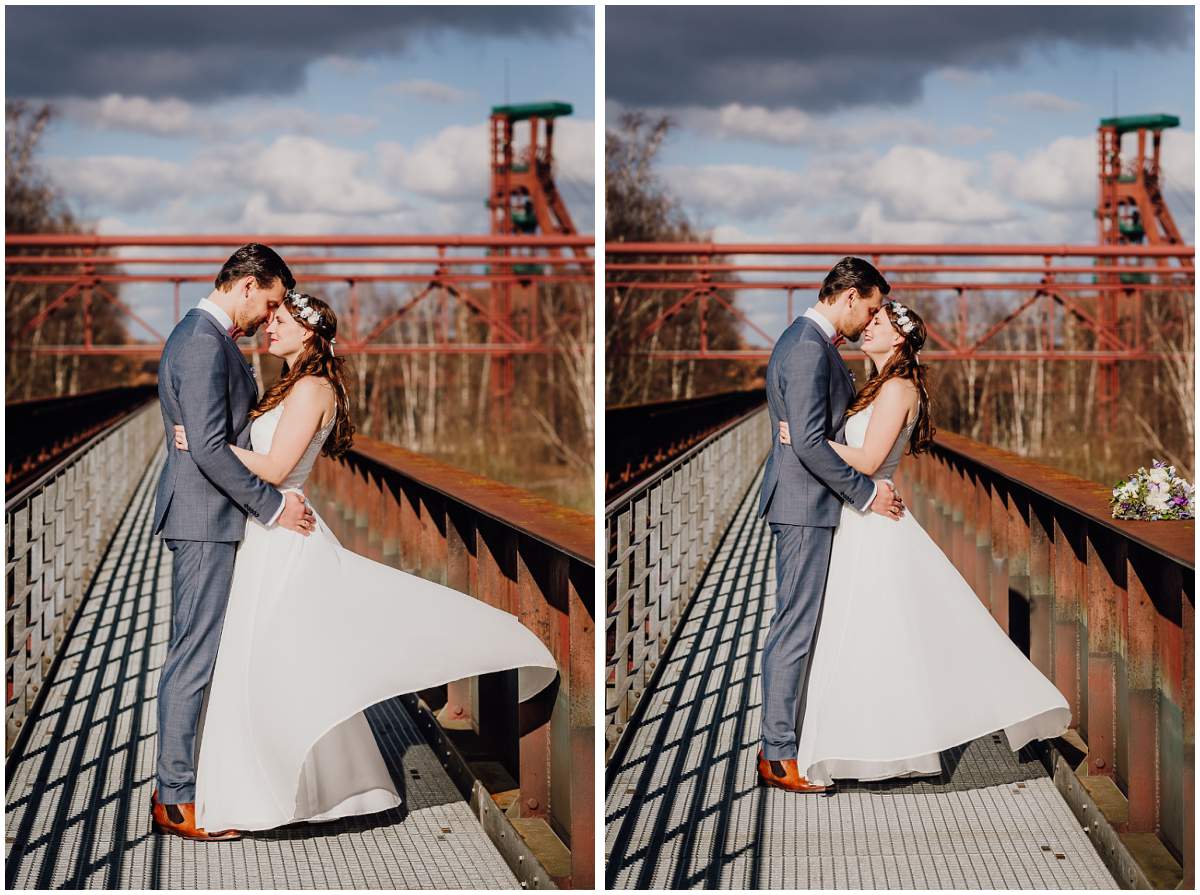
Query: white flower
(1159, 474)
(1158, 500)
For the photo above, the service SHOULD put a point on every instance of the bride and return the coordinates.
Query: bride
(907, 661)
(315, 633)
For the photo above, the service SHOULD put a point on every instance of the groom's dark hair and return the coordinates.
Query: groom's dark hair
(255, 260)
(852, 273)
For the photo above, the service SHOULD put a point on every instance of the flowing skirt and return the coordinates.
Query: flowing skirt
(908, 662)
(313, 635)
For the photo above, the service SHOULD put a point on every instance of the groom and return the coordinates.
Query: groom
(804, 486)
(200, 507)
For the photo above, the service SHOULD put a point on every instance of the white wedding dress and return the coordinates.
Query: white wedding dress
(907, 661)
(314, 634)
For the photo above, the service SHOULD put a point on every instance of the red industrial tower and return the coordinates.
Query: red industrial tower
(1131, 211)
(524, 201)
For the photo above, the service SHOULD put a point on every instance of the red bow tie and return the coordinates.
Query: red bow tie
(838, 339)
(235, 332)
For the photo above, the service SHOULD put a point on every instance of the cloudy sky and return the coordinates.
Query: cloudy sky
(935, 124)
(296, 119)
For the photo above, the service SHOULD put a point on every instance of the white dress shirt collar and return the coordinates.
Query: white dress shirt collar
(215, 311)
(821, 321)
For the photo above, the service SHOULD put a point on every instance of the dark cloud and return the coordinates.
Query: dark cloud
(207, 53)
(821, 58)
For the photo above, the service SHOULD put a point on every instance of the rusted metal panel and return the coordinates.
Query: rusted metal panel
(427, 508)
(1143, 577)
(1111, 621)
(1187, 784)
(541, 582)
(1070, 631)
(1041, 587)
(564, 529)
(1104, 568)
(581, 671)
(1174, 540)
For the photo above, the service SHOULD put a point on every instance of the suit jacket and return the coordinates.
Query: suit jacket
(205, 385)
(810, 386)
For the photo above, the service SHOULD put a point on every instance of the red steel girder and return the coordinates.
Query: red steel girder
(634, 269)
(452, 275)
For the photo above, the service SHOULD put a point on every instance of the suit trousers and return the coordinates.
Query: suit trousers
(201, 576)
(801, 567)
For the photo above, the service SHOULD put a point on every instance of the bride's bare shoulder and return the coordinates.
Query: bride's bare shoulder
(314, 390)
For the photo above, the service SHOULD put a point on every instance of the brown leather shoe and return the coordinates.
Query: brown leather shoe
(785, 775)
(180, 820)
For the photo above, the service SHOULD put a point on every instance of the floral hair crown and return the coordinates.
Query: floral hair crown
(902, 318)
(308, 313)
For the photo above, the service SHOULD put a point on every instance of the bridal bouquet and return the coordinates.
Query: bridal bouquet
(1154, 494)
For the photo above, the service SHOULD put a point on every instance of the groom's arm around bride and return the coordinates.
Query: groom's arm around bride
(807, 420)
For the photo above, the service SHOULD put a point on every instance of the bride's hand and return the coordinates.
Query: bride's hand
(180, 438)
(785, 434)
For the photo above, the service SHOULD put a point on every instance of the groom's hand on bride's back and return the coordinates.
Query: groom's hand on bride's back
(296, 515)
(887, 502)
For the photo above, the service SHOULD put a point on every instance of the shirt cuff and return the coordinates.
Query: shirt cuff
(278, 512)
(870, 500)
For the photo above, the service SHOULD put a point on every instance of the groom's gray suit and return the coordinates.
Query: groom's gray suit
(200, 507)
(803, 489)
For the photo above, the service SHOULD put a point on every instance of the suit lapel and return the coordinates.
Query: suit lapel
(231, 346)
(837, 355)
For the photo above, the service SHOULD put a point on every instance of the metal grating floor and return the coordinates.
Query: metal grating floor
(77, 802)
(684, 809)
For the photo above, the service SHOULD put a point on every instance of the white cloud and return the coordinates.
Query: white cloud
(919, 184)
(733, 191)
(121, 182)
(1040, 101)
(758, 123)
(163, 117)
(177, 118)
(428, 90)
(1061, 175)
(303, 174)
(453, 163)
(1179, 162)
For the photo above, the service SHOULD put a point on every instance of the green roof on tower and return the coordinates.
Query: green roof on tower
(533, 110)
(1135, 122)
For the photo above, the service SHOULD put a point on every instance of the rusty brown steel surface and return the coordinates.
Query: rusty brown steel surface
(568, 530)
(472, 273)
(84, 240)
(516, 552)
(1104, 607)
(1175, 540)
(897, 248)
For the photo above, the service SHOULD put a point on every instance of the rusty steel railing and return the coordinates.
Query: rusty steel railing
(1105, 608)
(514, 551)
(660, 536)
(55, 532)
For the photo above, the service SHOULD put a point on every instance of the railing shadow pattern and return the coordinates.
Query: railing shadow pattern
(77, 812)
(684, 809)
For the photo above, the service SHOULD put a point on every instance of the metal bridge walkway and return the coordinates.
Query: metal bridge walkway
(77, 803)
(683, 809)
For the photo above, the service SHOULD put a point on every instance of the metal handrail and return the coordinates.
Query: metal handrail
(73, 456)
(660, 537)
(55, 534)
(1105, 608)
(519, 553)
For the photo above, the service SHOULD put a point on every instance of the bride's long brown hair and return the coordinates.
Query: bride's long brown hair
(317, 359)
(903, 364)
